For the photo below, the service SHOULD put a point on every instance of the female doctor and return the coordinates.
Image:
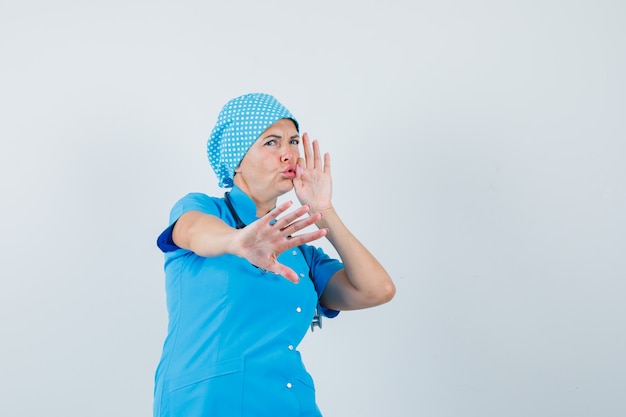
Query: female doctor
(242, 285)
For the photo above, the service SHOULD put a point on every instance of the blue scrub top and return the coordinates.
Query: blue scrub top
(233, 333)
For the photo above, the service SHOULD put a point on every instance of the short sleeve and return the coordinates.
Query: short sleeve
(322, 268)
(191, 202)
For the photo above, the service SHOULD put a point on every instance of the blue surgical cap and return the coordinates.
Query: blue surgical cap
(239, 124)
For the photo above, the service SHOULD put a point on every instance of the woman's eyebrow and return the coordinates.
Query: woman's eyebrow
(275, 136)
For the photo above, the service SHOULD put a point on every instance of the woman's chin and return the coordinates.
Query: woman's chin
(286, 186)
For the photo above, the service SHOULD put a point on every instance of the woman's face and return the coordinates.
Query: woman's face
(269, 167)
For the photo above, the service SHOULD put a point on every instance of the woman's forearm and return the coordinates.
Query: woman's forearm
(370, 282)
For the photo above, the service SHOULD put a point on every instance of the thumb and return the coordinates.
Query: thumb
(297, 181)
(299, 168)
(286, 272)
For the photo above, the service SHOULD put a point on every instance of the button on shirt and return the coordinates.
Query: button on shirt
(231, 347)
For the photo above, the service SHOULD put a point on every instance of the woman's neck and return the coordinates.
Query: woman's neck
(262, 208)
(264, 203)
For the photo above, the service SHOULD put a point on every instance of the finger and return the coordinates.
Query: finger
(301, 224)
(306, 237)
(327, 163)
(290, 217)
(277, 211)
(308, 154)
(317, 157)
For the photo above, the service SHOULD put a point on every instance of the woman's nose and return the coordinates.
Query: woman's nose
(287, 155)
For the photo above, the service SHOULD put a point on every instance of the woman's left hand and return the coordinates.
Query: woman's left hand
(313, 183)
(363, 282)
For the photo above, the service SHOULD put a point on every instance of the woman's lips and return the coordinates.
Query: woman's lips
(290, 172)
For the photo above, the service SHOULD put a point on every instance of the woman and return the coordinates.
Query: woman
(242, 285)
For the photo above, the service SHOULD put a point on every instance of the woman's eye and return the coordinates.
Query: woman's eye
(295, 141)
(270, 142)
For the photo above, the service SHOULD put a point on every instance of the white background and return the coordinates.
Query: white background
(478, 149)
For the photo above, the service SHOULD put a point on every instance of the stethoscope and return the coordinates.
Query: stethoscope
(317, 319)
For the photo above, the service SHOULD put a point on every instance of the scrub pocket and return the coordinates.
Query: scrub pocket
(214, 392)
(306, 395)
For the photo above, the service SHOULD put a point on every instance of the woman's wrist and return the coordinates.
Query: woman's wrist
(327, 213)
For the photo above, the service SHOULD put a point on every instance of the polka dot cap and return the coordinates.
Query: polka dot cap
(239, 124)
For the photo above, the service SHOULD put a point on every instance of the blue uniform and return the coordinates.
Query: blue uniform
(231, 347)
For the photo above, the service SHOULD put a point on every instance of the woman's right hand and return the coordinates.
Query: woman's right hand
(263, 240)
(259, 243)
